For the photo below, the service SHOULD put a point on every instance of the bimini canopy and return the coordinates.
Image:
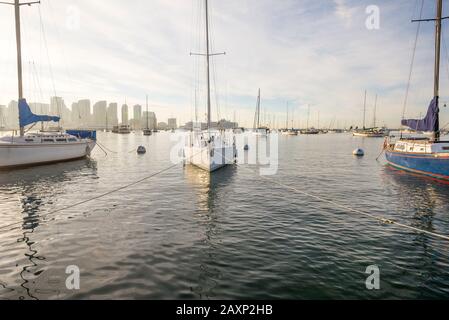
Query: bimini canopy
(430, 123)
(26, 117)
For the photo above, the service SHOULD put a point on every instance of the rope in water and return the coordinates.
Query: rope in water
(344, 207)
(307, 194)
(99, 196)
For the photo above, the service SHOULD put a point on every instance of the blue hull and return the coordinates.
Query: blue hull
(425, 164)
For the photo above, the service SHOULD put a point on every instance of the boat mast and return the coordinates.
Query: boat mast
(258, 111)
(375, 113)
(208, 68)
(147, 112)
(436, 134)
(17, 5)
(364, 113)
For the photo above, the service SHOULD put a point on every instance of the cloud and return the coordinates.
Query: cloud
(313, 52)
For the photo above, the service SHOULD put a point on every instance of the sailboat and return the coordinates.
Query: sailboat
(209, 150)
(373, 132)
(45, 147)
(147, 131)
(309, 131)
(258, 129)
(425, 156)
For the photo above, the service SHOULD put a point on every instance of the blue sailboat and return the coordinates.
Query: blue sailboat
(424, 156)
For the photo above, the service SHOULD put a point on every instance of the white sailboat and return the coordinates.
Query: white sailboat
(44, 147)
(211, 149)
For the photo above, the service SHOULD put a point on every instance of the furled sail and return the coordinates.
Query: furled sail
(430, 123)
(26, 117)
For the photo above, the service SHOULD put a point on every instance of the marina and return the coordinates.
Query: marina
(191, 234)
(193, 194)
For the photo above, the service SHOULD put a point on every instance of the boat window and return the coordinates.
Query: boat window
(61, 140)
(445, 148)
(29, 140)
(72, 140)
(48, 140)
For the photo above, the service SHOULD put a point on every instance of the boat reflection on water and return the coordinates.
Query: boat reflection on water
(207, 186)
(36, 188)
(211, 197)
(426, 198)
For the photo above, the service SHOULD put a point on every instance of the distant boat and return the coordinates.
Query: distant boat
(147, 131)
(122, 129)
(30, 149)
(425, 156)
(209, 150)
(373, 132)
(258, 129)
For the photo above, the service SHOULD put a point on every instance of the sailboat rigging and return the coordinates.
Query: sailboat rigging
(43, 147)
(209, 150)
(425, 156)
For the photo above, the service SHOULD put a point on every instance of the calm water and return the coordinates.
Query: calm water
(185, 235)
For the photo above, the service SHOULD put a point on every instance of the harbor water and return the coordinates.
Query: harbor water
(184, 234)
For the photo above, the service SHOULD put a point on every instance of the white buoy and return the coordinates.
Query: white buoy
(358, 152)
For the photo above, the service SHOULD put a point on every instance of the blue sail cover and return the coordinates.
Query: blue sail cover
(26, 117)
(430, 123)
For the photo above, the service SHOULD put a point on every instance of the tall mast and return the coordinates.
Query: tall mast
(364, 113)
(19, 55)
(258, 111)
(147, 112)
(208, 67)
(308, 116)
(286, 127)
(375, 113)
(436, 134)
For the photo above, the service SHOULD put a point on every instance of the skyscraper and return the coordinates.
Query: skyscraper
(125, 119)
(99, 114)
(12, 118)
(137, 116)
(2, 117)
(84, 114)
(112, 115)
(172, 124)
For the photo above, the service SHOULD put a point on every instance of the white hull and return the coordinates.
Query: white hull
(28, 154)
(210, 158)
(369, 135)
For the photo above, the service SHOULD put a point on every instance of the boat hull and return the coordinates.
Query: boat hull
(23, 155)
(369, 135)
(210, 158)
(429, 164)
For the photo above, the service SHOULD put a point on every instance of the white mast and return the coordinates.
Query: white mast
(17, 5)
(208, 68)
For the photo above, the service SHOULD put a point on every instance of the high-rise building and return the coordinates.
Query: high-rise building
(100, 114)
(152, 120)
(84, 115)
(12, 118)
(2, 117)
(162, 126)
(172, 124)
(112, 115)
(125, 118)
(40, 108)
(137, 116)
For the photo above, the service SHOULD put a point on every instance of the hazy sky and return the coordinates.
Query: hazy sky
(316, 52)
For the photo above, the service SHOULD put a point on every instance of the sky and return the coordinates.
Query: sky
(308, 54)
